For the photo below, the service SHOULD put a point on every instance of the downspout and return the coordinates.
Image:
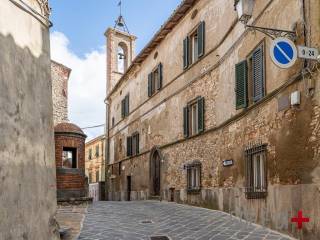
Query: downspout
(107, 148)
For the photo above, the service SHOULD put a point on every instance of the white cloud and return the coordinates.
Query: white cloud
(87, 84)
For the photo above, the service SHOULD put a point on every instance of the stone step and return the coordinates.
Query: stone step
(155, 198)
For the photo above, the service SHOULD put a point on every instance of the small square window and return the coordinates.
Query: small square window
(69, 157)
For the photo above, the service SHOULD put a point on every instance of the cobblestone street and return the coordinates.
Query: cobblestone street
(143, 220)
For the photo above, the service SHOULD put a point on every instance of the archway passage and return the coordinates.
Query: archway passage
(155, 170)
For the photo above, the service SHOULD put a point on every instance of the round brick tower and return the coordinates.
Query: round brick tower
(70, 161)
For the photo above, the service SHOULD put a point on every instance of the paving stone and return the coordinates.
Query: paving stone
(124, 221)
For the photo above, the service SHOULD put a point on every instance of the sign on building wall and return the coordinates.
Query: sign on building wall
(308, 53)
(283, 52)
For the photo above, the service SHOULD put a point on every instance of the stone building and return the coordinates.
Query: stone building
(60, 76)
(203, 116)
(27, 166)
(95, 167)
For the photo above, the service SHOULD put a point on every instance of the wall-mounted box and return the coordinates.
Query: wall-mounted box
(295, 98)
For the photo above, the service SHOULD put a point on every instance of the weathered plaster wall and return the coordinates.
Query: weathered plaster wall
(60, 77)
(27, 166)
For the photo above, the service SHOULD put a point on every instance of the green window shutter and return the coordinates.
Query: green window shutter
(258, 74)
(186, 121)
(150, 85)
(129, 146)
(201, 114)
(186, 52)
(160, 76)
(127, 105)
(137, 143)
(241, 85)
(201, 39)
(123, 108)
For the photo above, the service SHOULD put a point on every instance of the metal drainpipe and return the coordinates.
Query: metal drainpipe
(107, 147)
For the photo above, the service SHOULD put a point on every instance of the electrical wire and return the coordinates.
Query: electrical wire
(97, 126)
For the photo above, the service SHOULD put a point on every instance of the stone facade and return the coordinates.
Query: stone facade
(60, 76)
(287, 134)
(71, 180)
(27, 167)
(95, 167)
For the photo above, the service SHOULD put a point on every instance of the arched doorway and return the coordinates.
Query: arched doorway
(155, 171)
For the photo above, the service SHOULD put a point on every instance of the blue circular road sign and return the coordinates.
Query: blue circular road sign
(283, 52)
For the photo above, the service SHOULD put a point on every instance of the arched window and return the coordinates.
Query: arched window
(122, 57)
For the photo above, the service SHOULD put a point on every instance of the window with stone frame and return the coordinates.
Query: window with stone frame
(90, 177)
(97, 150)
(155, 79)
(69, 157)
(90, 154)
(193, 117)
(97, 176)
(133, 145)
(250, 86)
(125, 106)
(194, 45)
(256, 171)
(194, 176)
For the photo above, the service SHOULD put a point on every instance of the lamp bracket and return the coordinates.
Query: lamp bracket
(274, 33)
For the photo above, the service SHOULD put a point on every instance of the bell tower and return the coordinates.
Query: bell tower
(120, 51)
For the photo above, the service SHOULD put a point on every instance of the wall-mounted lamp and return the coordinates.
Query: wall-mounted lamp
(244, 9)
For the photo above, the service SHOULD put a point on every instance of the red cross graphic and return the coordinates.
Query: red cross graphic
(300, 219)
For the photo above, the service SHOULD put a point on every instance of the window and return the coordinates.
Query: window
(97, 176)
(194, 177)
(90, 177)
(125, 107)
(193, 117)
(97, 150)
(122, 57)
(133, 145)
(119, 169)
(193, 46)
(155, 79)
(256, 177)
(250, 79)
(112, 121)
(69, 157)
(90, 154)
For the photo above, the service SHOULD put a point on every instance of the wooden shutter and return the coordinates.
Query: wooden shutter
(186, 52)
(150, 85)
(159, 85)
(137, 143)
(186, 121)
(201, 39)
(129, 146)
(258, 74)
(123, 108)
(127, 105)
(201, 114)
(241, 85)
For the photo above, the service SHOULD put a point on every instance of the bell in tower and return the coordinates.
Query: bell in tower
(120, 50)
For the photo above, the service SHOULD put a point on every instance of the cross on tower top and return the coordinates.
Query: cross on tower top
(120, 22)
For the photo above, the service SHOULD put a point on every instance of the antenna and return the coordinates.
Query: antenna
(120, 23)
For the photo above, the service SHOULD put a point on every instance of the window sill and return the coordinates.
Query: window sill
(194, 190)
(256, 194)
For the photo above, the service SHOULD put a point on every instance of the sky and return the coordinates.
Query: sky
(78, 41)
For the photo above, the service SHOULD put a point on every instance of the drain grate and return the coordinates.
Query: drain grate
(146, 221)
(159, 238)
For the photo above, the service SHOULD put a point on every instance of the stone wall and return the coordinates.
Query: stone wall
(60, 77)
(290, 132)
(27, 166)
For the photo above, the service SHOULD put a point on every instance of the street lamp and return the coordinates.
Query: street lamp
(244, 9)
